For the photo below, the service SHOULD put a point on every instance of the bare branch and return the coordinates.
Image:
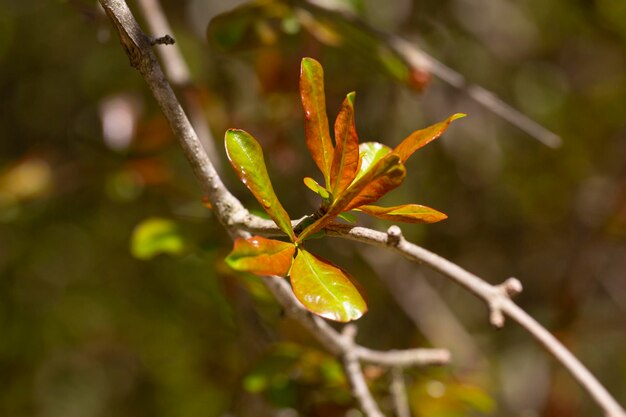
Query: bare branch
(398, 393)
(351, 364)
(498, 299)
(179, 75)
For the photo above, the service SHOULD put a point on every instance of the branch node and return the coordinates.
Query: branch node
(162, 40)
(394, 235)
(512, 286)
(496, 316)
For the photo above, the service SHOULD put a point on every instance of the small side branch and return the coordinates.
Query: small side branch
(398, 393)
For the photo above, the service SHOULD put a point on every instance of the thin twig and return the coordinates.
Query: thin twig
(351, 364)
(398, 393)
(179, 75)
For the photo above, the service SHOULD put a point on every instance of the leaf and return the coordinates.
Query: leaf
(316, 188)
(383, 172)
(261, 256)
(155, 236)
(422, 137)
(378, 187)
(369, 154)
(408, 213)
(349, 217)
(324, 289)
(246, 157)
(346, 157)
(315, 120)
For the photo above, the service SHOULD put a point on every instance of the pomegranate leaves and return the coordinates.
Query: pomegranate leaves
(325, 289)
(355, 176)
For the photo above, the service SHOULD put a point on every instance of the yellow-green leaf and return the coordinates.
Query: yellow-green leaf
(261, 256)
(346, 158)
(408, 213)
(246, 157)
(325, 289)
(315, 119)
(156, 236)
(422, 137)
(316, 188)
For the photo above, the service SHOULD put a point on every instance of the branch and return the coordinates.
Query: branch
(179, 75)
(398, 393)
(231, 213)
(497, 298)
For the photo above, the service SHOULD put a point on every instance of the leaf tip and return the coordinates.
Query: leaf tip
(457, 116)
(350, 97)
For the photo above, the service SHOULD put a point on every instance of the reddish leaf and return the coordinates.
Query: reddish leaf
(261, 256)
(422, 137)
(408, 213)
(246, 157)
(325, 289)
(380, 186)
(315, 120)
(346, 159)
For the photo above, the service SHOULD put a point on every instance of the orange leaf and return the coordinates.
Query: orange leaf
(422, 137)
(346, 159)
(315, 120)
(408, 213)
(261, 256)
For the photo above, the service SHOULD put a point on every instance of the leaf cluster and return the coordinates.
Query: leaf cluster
(355, 176)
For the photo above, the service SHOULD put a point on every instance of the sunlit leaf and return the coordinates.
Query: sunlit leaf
(369, 154)
(422, 137)
(325, 289)
(261, 256)
(246, 157)
(346, 158)
(155, 236)
(408, 213)
(316, 188)
(315, 120)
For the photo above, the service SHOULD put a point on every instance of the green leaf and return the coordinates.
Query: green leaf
(422, 137)
(261, 256)
(246, 157)
(346, 157)
(315, 120)
(349, 217)
(316, 188)
(369, 154)
(156, 236)
(408, 213)
(324, 289)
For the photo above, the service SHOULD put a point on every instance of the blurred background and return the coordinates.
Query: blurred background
(114, 298)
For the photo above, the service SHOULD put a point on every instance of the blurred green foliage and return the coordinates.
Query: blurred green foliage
(86, 329)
